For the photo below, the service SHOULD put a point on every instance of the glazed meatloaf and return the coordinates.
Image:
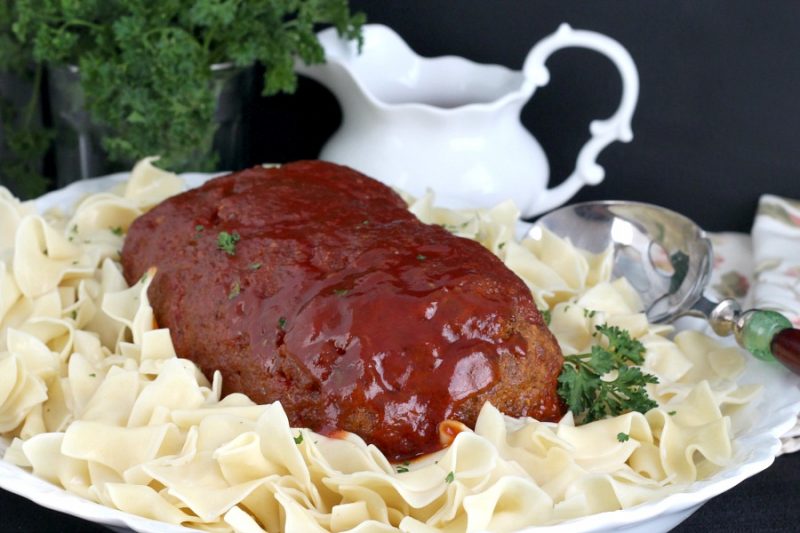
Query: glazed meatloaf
(313, 284)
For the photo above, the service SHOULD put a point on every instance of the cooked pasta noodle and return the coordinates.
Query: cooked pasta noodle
(95, 399)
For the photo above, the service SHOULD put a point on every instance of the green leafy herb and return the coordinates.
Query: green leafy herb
(547, 316)
(227, 242)
(299, 438)
(450, 477)
(198, 228)
(73, 314)
(672, 413)
(340, 292)
(282, 323)
(421, 257)
(23, 140)
(116, 231)
(603, 382)
(402, 469)
(146, 67)
(589, 313)
(92, 375)
(623, 437)
(254, 266)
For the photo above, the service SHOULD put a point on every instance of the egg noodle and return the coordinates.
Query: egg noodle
(94, 399)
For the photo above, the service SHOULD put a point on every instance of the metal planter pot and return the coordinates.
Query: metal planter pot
(16, 94)
(78, 150)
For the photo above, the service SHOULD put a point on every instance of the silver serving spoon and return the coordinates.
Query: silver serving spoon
(667, 258)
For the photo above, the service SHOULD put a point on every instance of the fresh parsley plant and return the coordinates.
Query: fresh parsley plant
(145, 65)
(603, 382)
(24, 140)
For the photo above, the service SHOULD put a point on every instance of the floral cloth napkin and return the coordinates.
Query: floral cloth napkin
(763, 269)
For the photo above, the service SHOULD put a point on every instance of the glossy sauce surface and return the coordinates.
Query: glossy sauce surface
(339, 303)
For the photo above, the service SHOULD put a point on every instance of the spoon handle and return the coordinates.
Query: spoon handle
(769, 335)
(785, 347)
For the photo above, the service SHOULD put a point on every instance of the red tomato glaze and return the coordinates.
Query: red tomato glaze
(339, 303)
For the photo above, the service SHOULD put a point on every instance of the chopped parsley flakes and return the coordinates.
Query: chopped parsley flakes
(227, 242)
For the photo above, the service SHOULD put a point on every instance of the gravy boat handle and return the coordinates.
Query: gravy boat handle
(604, 132)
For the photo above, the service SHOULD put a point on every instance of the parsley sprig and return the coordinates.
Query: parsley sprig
(603, 382)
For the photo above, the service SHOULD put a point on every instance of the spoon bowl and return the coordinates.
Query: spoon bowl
(665, 256)
(668, 258)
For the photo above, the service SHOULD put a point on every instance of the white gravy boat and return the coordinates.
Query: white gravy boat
(453, 125)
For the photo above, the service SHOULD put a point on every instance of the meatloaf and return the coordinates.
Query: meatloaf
(313, 284)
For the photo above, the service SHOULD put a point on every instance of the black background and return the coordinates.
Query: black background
(716, 126)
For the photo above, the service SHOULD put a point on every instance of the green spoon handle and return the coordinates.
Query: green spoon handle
(769, 335)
